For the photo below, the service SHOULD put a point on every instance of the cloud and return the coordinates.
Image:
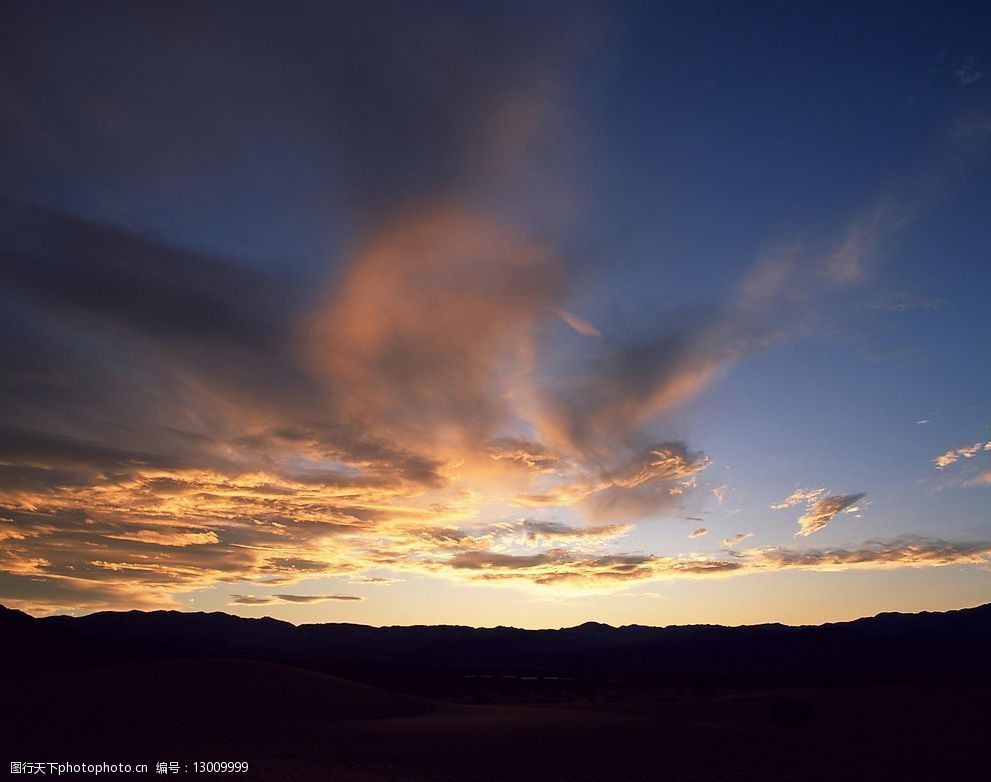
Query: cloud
(982, 479)
(169, 537)
(264, 433)
(732, 540)
(969, 73)
(821, 507)
(606, 398)
(910, 551)
(847, 262)
(954, 455)
(558, 567)
(431, 322)
(375, 580)
(903, 301)
(471, 90)
(579, 323)
(698, 533)
(253, 600)
(645, 484)
(520, 450)
(173, 419)
(553, 532)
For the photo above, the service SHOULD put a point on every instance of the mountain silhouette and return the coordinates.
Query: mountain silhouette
(890, 646)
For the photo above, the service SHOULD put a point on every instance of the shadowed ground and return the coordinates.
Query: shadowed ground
(294, 724)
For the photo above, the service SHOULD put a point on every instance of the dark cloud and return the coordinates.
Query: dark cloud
(84, 271)
(31, 448)
(554, 566)
(608, 398)
(167, 98)
(559, 566)
(118, 313)
(478, 560)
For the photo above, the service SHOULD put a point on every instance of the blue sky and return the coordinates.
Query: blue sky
(473, 312)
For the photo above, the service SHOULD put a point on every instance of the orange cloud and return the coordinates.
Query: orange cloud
(429, 324)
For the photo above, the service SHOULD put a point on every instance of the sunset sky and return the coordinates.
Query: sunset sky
(496, 313)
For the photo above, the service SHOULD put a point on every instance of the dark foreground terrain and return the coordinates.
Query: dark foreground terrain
(894, 697)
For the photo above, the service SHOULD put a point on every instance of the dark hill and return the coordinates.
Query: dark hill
(887, 647)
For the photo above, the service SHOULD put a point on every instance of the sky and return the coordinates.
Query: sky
(496, 313)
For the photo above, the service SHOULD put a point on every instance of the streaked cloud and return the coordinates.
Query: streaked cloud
(903, 301)
(909, 551)
(558, 567)
(374, 580)
(698, 533)
(264, 600)
(739, 537)
(170, 537)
